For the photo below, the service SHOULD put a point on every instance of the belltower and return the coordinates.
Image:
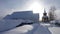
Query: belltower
(45, 17)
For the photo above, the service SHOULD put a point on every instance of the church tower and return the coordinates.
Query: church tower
(45, 17)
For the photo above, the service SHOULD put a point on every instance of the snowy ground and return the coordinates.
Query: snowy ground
(54, 29)
(36, 28)
(28, 29)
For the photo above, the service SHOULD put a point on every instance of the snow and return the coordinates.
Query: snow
(28, 29)
(19, 30)
(42, 30)
(9, 24)
(54, 30)
(9, 27)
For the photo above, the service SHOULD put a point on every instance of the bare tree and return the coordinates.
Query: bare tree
(52, 13)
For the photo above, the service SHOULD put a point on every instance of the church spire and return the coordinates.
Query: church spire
(45, 17)
(44, 12)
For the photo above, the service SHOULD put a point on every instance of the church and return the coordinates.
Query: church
(45, 17)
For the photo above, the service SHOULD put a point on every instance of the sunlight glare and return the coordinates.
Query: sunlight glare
(37, 8)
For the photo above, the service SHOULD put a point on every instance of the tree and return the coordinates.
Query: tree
(52, 13)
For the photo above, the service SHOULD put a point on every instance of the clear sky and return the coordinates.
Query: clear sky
(9, 6)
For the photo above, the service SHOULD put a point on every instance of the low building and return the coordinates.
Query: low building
(25, 15)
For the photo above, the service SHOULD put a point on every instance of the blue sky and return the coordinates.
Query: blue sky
(7, 6)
